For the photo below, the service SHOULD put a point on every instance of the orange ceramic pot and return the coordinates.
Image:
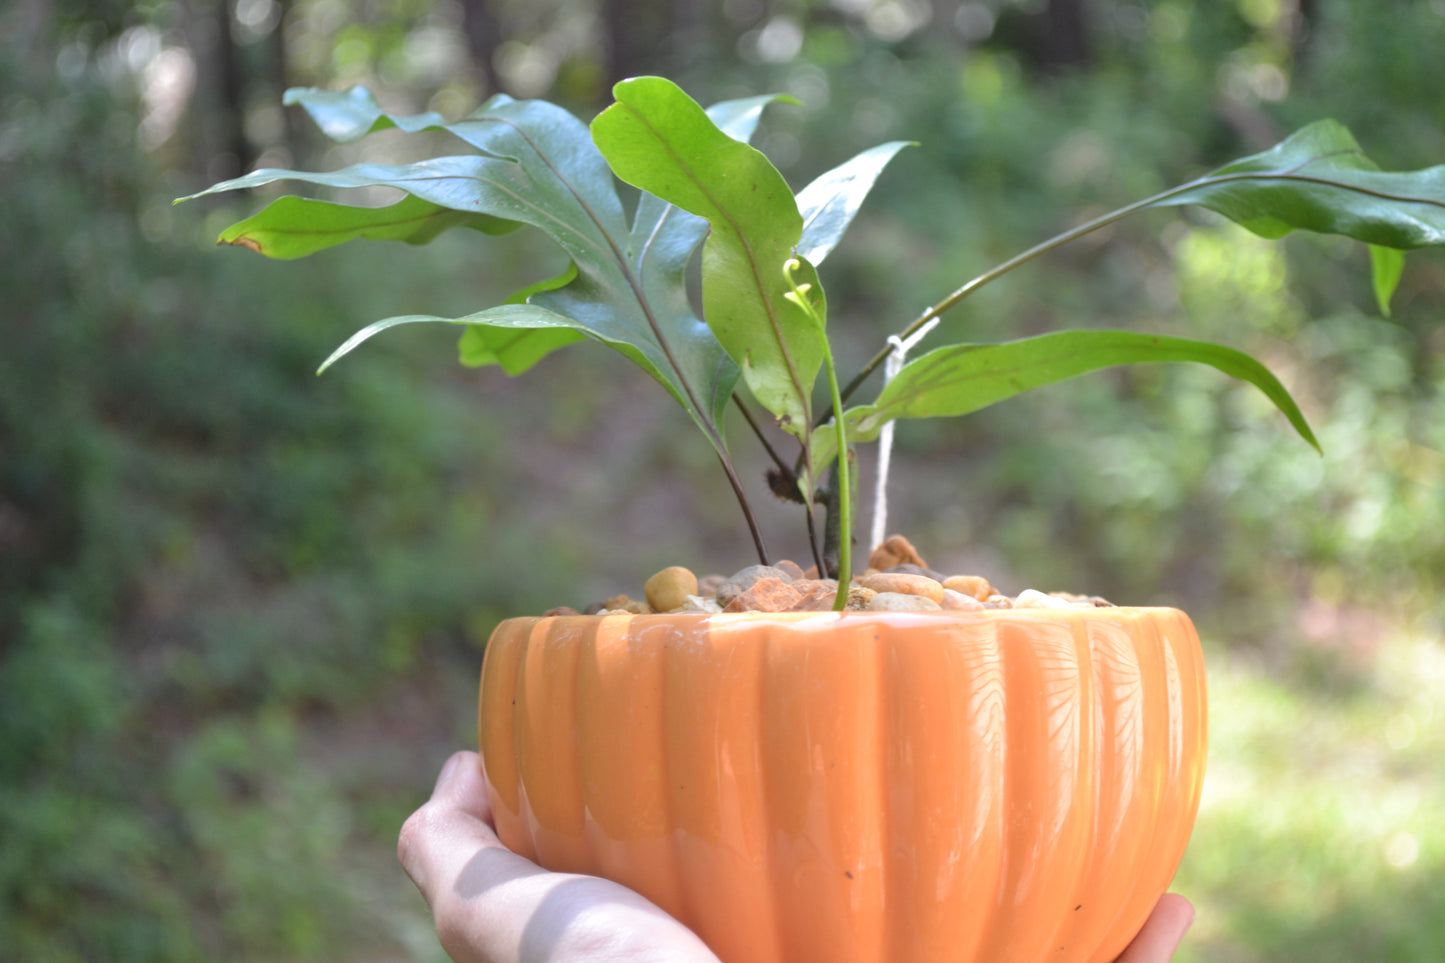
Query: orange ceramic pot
(1009, 785)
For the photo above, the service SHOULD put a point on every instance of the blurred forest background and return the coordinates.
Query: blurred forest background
(242, 608)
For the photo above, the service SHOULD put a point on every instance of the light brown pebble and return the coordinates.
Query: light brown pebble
(858, 598)
(764, 595)
(699, 603)
(793, 569)
(998, 602)
(1034, 599)
(900, 602)
(744, 579)
(623, 603)
(897, 582)
(973, 585)
(560, 610)
(667, 589)
(894, 550)
(959, 602)
(707, 585)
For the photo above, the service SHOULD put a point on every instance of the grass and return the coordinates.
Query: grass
(1319, 837)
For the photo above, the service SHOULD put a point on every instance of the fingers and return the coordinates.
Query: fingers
(492, 905)
(1162, 932)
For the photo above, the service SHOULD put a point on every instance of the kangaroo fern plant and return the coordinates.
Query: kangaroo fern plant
(761, 337)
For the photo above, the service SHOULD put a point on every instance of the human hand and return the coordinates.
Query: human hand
(493, 906)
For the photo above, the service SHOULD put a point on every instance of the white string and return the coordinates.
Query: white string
(891, 367)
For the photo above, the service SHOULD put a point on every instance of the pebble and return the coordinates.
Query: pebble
(894, 550)
(764, 595)
(560, 610)
(974, 585)
(901, 602)
(811, 586)
(622, 603)
(744, 579)
(898, 583)
(1034, 599)
(667, 589)
(958, 602)
(896, 580)
(817, 594)
(908, 568)
(793, 569)
(707, 585)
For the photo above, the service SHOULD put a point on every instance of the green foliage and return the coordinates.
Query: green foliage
(292, 227)
(201, 545)
(961, 379)
(204, 561)
(659, 139)
(537, 166)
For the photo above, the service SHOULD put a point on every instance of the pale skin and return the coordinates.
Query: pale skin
(493, 906)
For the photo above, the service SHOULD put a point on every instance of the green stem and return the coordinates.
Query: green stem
(843, 483)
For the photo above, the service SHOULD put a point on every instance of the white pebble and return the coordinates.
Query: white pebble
(898, 602)
(1034, 599)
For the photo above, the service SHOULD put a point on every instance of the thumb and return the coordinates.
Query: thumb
(438, 839)
(1162, 932)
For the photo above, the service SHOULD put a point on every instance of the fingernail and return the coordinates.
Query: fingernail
(448, 770)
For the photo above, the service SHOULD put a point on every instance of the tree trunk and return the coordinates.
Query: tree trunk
(1054, 40)
(484, 35)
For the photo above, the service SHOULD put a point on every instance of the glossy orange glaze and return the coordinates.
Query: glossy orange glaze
(1010, 785)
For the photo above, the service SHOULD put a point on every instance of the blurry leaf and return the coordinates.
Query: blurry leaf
(959, 379)
(292, 227)
(657, 138)
(1387, 265)
(350, 115)
(830, 202)
(1319, 179)
(739, 118)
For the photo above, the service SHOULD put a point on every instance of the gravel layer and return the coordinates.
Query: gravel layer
(896, 580)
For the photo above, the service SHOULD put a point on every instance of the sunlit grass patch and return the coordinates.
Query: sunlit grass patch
(1320, 836)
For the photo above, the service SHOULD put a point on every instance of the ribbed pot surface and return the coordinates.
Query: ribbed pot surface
(1008, 785)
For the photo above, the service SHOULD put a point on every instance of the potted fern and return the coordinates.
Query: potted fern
(863, 761)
